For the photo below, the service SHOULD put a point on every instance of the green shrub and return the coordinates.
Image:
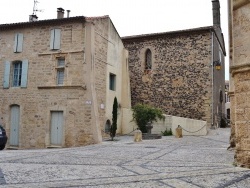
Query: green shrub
(167, 132)
(143, 113)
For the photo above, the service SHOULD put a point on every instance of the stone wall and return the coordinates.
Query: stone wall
(100, 66)
(240, 79)
(180, 79)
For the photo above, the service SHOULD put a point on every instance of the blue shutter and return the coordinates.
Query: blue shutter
(6, 79)
(24, 73)
(16, 43)
(55, 39)
(18, 46)
(20, 42)
(52, 36)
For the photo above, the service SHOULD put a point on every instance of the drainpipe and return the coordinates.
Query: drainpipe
(212, 66)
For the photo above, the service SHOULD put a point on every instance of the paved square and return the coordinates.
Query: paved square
(191, 161)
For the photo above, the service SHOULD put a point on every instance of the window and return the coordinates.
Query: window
(112, 80)
(60, 77)
(18, 46)
(60, 70)
(148, 59)
(19, 72)
(55, 39)
(227, 98)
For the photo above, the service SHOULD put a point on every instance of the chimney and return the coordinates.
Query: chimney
(68, 11)
(60, 13)
(33, 18)
(216, 13)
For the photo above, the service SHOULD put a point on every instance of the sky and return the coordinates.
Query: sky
(130, 17)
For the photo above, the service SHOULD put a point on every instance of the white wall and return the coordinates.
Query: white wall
(190, 126)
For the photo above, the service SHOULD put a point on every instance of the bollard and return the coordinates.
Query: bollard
(137, 136)
(178, 132)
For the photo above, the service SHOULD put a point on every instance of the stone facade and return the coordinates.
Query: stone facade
(239, 22)
(180, 80)
(82, 98)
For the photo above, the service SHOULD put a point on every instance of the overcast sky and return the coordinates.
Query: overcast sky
(130, 17)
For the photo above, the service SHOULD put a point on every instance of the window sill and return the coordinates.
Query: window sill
(63, 87)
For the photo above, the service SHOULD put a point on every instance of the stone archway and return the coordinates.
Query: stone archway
(107, 126)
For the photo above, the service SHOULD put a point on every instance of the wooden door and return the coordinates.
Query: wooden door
(14, 125)
(56, 132)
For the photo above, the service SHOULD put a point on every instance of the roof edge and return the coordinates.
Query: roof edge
(168, 33)
(41, 22)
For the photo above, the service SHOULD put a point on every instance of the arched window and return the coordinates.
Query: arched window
(148, 59)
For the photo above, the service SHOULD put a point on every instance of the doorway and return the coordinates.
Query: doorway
(14, 125)
(56, 132)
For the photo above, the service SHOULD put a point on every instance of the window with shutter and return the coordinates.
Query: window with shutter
(18, 46)
(55, 39)
(17, 74)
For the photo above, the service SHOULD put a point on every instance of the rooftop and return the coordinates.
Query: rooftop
(168, 33)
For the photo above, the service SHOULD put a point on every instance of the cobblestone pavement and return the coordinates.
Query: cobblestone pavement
(186, 162)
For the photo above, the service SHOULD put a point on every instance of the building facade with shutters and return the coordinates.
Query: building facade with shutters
(181, 72)
(239, 80)
(60, 77)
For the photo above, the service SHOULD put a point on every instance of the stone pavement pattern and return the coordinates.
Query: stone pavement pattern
(186, 162)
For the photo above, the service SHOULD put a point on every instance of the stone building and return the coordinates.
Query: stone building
(181, 72)
(239, 86)
(60, 77)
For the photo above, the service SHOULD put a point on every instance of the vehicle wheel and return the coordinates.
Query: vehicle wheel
(2, 147)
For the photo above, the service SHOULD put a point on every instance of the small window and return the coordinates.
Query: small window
(17, 73)
(112, 80)
(60, 70)
(148, 59)
(60, 62)
(60, 77)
